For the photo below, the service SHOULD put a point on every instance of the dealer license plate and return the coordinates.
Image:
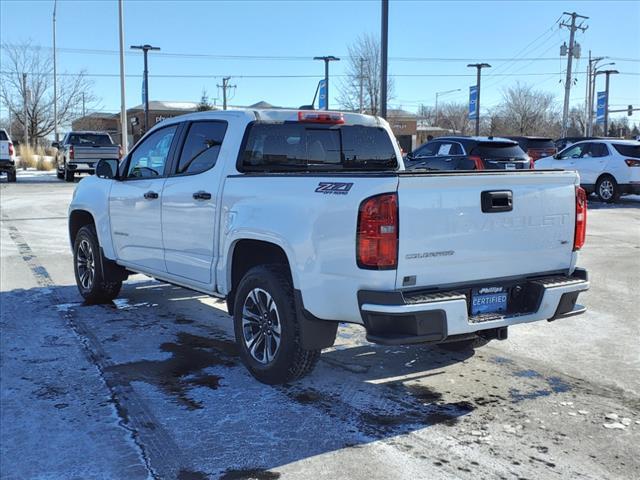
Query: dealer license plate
(488, 300)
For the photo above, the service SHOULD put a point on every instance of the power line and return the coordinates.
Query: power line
(88, 51)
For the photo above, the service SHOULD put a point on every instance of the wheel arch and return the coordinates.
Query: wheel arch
(247, 253)
(78, 219)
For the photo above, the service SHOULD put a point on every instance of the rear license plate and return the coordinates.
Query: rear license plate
(510, 166)
(488, 300)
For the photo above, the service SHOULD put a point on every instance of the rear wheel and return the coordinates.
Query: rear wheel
(87, 263)
(267, 329)
(11, 176)
(68, 174)
(607, 189)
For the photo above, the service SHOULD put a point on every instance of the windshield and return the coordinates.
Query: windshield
(3, 136)
(293, 146)
(627, 150)
(90, 139)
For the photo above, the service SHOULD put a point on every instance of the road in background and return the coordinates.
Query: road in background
(151, 385)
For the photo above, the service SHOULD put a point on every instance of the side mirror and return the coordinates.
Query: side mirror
(107, 168)
(409, 156)
(55, 145)
(556, 157)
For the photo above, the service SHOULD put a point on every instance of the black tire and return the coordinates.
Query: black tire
(59, 174)
(11, 177)
(464, 345)
(290, 361)
(98, 289)
(68, 175)
(607, 189)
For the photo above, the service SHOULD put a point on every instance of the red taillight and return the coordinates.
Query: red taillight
(120, 151)
(320, 117)
(632, 163)
(71, 154)
(11, 149)
(581, 219)
(531, 163)
(377, 240)
(477, 161)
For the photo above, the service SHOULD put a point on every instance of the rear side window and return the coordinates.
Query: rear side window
(498, 150)
(3, 136)
(632, 151)
(292, 146)
(201, 147)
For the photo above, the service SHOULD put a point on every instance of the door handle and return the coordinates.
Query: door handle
(150, 195)
(496, 201)
(202, 195)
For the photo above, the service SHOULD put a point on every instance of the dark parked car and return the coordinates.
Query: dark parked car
(469, 153)
(536, 147)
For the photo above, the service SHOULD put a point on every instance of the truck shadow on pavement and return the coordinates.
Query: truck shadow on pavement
(171, 366)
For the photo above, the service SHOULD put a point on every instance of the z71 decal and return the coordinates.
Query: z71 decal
(334, 188)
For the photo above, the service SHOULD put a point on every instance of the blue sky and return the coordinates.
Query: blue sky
(461, 31)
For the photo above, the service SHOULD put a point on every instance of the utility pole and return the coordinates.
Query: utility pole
(225, 86)
(55, 78)
(570, 54)
(384, 48)
(478, 67)
(84, 112)
(26, 110)
(145, 49)
(123, 109)
(606, 96)
(362, 60)
(326, 59)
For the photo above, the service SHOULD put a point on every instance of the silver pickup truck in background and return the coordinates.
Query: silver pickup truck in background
(78, 152)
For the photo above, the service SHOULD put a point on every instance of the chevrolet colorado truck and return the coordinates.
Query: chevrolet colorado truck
(304, 219)
(78, 152)
(7, 156)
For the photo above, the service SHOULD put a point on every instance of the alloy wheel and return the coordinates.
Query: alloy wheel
(261, 327)
(85, 263)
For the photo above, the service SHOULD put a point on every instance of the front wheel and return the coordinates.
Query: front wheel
(607, 189)
(87, 263)
(267, 329)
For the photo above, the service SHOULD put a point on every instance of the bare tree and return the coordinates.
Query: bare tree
(525, 111)
(364, 61)
(454, 116)
(29, 59)
(428, 114)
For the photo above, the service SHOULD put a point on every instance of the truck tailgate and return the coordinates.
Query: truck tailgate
(4, 150)
(93, 154)
(445, 238)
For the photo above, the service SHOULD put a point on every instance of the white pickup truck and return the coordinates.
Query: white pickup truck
(7, 156)
(304, 219)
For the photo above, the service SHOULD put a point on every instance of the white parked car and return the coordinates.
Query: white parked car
(304, 219)
(7, 156)
(608, 168)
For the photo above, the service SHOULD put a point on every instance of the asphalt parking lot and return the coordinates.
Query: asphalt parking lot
(151, 386)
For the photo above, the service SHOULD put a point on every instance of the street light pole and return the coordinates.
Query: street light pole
(326, 59)
(145, 49)
(606, 97)
(55, 78)
(123, 109)
(478, 67)
(440, 94)
(592, 91)
(384, 44)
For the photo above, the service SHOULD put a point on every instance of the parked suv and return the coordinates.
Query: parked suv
(536, 147)
(469, 153)
(7, 156)
(610, 168)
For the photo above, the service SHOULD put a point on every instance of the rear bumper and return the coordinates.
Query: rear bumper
(81, 167)
(7, 166)
(415, 317)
